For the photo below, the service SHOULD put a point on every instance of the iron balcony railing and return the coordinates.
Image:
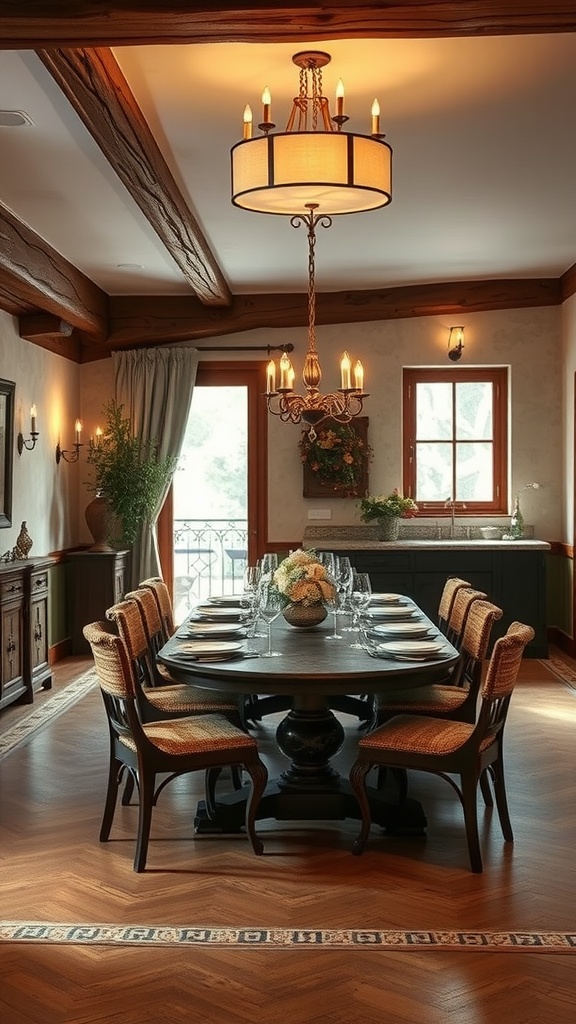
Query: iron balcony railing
(209, 558)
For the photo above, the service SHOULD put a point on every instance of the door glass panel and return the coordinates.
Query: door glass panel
(210, 497)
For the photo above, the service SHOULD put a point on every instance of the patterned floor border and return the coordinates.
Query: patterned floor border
(39, 932)
(46, 712)
(561, 669)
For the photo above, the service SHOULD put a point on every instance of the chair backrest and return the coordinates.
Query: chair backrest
(151, 620)
(130, 625)
(116, 678)
(463, 600)
(474, 644)
(451, 587)
(162, 595)
(496, 690)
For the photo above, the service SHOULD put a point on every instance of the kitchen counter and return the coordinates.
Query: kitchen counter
(335, 543)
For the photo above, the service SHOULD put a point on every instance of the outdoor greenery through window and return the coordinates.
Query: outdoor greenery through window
(455, 439)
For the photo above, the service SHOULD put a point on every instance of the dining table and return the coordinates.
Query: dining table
(309, 671)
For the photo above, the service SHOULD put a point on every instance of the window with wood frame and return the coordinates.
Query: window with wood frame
(455, 439)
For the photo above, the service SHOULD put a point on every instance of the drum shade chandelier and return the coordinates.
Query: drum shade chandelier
(316, 167)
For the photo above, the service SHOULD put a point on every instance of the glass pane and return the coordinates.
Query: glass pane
(433, 411)
(474, 472)
(474, 419)
(433, 472)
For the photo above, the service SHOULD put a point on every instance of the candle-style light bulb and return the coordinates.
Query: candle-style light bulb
(78, 430)
(375, 118)
(340, 98)
(247, 121)
(271, 378)
(345, 367)
(358, 375)
(266, 101)
(33, 419)
(98, 433)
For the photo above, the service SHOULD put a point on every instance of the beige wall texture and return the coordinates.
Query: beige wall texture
(531, 342)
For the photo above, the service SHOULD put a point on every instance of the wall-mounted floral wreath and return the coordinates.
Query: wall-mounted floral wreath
(336, 461)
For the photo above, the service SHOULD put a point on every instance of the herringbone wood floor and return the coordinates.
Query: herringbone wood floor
(52, 868)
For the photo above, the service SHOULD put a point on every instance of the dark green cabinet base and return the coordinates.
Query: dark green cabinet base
(514, 579)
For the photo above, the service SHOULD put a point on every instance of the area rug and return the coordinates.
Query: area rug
(46, 712)
(563, 670)
(286, 938)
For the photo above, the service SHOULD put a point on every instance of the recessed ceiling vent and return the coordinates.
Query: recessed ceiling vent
(14, 119)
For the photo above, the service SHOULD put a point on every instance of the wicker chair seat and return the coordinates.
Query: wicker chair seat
(437, 697)
(418, 735)
(188, 700)
(195, 735)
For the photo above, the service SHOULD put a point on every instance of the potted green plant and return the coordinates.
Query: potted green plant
(387, 511)
(128, 479)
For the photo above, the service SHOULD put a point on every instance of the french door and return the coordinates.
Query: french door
(248, 377)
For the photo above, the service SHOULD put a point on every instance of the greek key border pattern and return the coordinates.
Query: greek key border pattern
(167, 935)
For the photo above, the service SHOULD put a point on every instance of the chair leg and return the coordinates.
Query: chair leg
(400, 777)
(501, 801)
(469, 798)
(211, 778)
(259, 776)
(128, 786)
(485, 788)
(358, 774)
(147, 783)
(115, 769)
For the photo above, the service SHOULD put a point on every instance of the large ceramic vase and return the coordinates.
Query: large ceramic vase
(388, 528)
(304, 616)
(101, 522)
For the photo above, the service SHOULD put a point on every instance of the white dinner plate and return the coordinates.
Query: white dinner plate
(213, 612)
(390, 612)
(225, 600)
(413, 648)
(387, 599)
(203, 649)
(208, 629)
(402, 630)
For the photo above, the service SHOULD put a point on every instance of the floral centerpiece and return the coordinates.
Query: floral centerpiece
(387, 511)
(304, 585)
(337, 456)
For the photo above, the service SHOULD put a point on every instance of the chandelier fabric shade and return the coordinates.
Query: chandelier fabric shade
(339, 172)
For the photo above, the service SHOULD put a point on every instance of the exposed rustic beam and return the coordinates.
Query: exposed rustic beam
(140, 321)
(77, 23)
(568, 282)
(38, 277)
(95, 86)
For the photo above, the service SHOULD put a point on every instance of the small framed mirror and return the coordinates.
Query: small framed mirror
(7, 388)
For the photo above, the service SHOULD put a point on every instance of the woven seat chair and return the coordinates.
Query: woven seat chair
(449, 748)
(167, 748)
(463, 601)
(166, 700)
(451, 587)
(164, 601)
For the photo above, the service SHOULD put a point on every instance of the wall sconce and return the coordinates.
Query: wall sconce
(455, 343)
(30, 442)
(70, 454)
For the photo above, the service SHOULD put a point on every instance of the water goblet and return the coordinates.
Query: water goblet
(359, 601)
(271, 604)
(268, 564)
(335, 604)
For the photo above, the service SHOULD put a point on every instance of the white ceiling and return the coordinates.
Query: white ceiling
(484, 165)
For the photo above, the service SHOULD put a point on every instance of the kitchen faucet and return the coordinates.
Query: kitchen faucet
(451, 504)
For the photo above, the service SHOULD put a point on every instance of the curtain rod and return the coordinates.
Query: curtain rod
(245, 348)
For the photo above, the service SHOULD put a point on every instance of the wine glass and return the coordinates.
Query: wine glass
(252, 576)
(344, 577)
(268, 564)
(328, 559)
(271, 604)
(336, 603)
(359, 600)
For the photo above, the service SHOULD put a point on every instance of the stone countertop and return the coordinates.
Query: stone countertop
(343, 544)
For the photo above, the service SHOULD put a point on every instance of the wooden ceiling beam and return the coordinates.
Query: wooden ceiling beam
(137, 321)
(35, 276)
(93, 83)
(78, 23)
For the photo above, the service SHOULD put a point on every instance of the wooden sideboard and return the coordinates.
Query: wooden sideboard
(24, 629)
(97, 581)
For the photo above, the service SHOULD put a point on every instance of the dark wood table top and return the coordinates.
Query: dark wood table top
(332, 666)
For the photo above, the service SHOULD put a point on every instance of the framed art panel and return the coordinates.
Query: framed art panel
(7, 388)
(335, 464)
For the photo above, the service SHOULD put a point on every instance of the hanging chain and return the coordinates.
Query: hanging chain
(311, 282)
